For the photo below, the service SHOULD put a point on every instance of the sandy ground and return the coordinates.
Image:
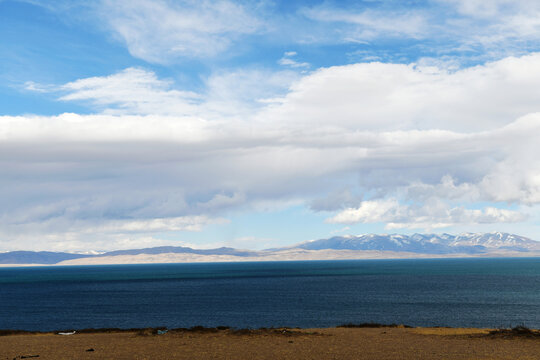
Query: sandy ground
(332, 343)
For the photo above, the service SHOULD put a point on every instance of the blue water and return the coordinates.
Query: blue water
(449, 292)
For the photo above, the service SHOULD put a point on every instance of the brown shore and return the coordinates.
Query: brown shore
(328, 343)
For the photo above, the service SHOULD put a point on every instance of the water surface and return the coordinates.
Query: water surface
(426, 292)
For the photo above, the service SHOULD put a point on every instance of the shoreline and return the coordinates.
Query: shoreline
(155, 330)
(164, 259)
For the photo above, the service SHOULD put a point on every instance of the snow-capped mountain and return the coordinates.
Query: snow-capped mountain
(495, 240)
(468, 243)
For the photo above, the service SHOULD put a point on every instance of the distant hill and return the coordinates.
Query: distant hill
(40, 257)
(182, 250)
(349, 246)
(48, 257)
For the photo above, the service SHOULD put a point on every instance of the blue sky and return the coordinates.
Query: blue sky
(261, 124)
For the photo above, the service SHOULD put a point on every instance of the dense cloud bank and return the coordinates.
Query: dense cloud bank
(406, 145)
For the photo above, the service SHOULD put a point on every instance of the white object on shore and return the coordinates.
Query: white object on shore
(67, 333)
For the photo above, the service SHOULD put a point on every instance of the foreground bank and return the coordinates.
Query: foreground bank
(329, 343)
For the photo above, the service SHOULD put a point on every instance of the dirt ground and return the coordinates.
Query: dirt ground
(331, 343)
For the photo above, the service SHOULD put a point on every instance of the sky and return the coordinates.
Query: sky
(260, 124)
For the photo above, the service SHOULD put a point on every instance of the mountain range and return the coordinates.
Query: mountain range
(468, 243)
(338, 247)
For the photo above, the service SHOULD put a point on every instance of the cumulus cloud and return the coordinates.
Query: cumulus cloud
(516, 178)
(379, 96)
(367, 96)
(430, 215)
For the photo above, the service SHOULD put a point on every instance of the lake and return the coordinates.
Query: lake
(423, 292)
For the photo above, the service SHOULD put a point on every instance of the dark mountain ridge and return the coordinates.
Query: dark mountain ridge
(37, 257)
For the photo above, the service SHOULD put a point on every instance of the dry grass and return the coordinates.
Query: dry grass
(516, 332)
(361, 341)
(374, 325)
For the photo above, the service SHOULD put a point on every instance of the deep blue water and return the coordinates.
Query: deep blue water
(449, 292)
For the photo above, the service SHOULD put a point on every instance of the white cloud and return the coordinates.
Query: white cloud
(243, 91)
(367, 96)
(35, 87)
(167, 31)
(501, 27)
(370, 24)
(446, 189)
(335, 200)
(516, 178)
(417, 135)
(464, 30)
(72, 128)
(368, 212)
(184, 223)
(480, 8)
(433, 214)
(161, 31)
(59, 223)
(132, 90)
(377, 96)
(287, 60)
(138, 91)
